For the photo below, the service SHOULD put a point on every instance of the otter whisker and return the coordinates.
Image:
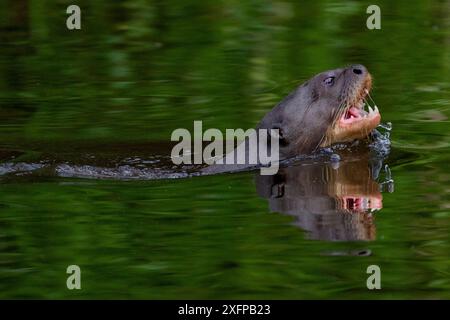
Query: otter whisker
(366, 103)
(342, 108)
(340, 111)
(368, 94)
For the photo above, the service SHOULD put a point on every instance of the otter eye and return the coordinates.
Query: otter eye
(329, 81)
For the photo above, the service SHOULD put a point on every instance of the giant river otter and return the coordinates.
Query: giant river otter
(327, 109)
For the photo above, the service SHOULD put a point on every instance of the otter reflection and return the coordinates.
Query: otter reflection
(330, 201)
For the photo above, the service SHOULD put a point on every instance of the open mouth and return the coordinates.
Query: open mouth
(361, 110)
(357, 118)
(362, 203)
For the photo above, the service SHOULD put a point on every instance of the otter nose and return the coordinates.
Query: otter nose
(359, 69)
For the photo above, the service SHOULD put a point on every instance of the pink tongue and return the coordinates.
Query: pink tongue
(354, 111)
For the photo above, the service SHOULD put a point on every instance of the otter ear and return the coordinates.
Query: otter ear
(280, 136)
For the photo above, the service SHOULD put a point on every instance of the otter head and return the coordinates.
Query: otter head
(350, 119)
(327, 109)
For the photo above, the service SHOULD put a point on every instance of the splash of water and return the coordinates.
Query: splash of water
(381, 142)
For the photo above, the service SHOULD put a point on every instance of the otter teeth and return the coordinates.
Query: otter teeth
(362, 104)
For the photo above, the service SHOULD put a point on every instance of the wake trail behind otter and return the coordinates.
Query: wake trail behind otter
(160, 167)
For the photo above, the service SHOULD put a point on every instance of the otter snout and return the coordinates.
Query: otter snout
(359, 70)
(360, 76)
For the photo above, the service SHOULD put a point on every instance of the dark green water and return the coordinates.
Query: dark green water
(138, 70)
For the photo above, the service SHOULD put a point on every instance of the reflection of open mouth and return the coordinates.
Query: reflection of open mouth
(362, 203)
